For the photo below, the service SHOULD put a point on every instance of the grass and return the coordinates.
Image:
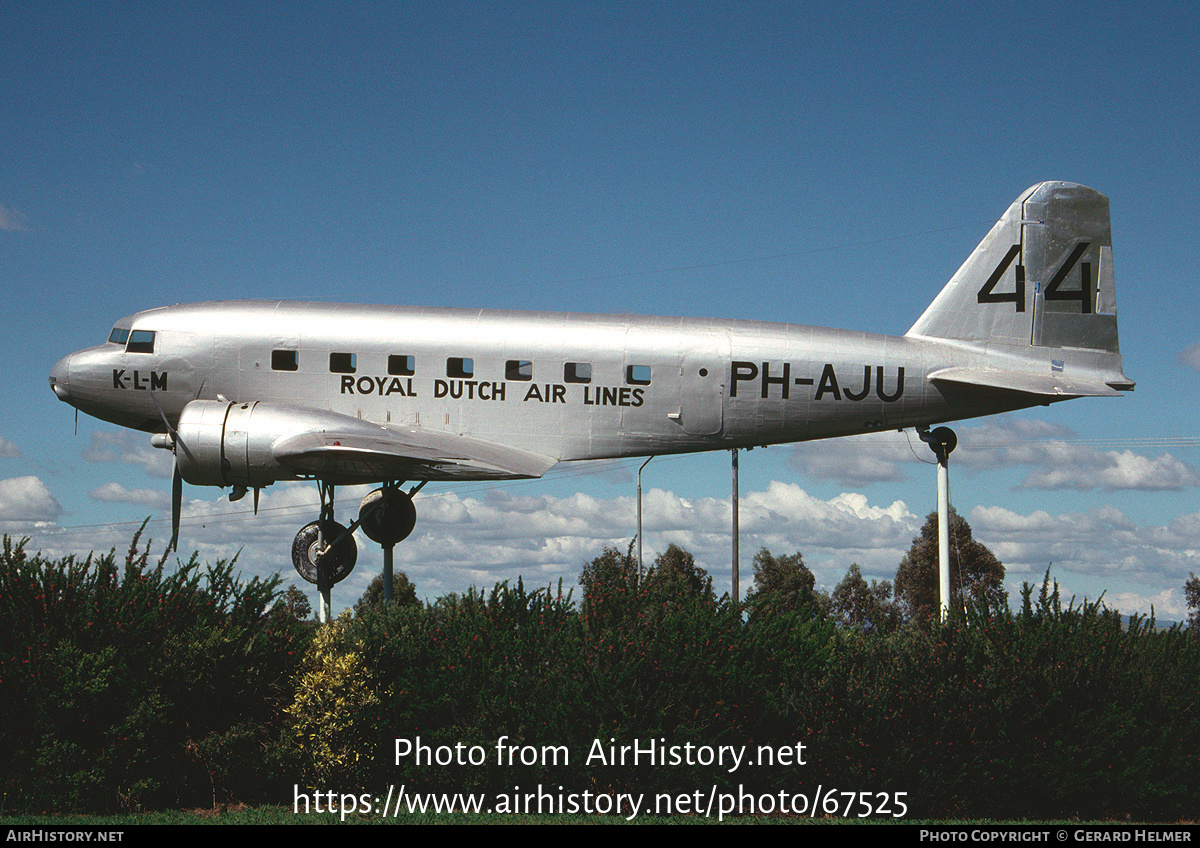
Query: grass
(275, 816)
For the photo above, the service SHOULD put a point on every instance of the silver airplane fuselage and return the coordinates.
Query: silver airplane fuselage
(569, 386)
(246, 393)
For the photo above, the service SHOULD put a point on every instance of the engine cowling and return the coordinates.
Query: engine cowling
(221, 443)
(212, 445)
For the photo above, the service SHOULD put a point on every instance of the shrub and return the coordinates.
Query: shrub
(129, 686)
(333, 706)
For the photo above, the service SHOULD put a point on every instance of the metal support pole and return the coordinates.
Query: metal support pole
(942, 441)
(643, 465)
(944, 532)
(323, 596)
(736, 596)
(324, 584)
(387, 573)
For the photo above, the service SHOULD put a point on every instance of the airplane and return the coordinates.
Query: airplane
(248, 393)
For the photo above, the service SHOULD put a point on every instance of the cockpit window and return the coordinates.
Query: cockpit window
(119, 335)
(140, 341)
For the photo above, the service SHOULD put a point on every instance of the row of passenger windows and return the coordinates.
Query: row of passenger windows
(457, 367)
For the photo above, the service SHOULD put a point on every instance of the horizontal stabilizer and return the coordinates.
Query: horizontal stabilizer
(1049, 385)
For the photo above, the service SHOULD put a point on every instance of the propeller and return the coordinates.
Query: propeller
(176, 502)
(171, 441)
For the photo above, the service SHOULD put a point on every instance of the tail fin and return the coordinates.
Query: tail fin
(1040, 285)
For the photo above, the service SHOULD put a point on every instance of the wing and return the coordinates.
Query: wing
(411, 453)
(222, 443)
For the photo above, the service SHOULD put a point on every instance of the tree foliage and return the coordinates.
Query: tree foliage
(612, 592)
(677, 568)
(404, 593)
(136, 688)
(610, 586)
(1191, 593)
(976, 575)
(782, 584)
(333, 692)
(128, 684)
(855, 604)
(294, 603)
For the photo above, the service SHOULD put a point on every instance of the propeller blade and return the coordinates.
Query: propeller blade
(176, 503)
(173, 443)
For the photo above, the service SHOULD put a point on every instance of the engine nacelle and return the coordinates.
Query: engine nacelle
(217, 445)
(221, 443)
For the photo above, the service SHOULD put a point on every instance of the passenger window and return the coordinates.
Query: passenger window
(518, 369)
(140, 341)
(637, 375)
(460, 367)
(285, 360)
(343, 363)
(118, 336)
(577, 372)
(401, 366)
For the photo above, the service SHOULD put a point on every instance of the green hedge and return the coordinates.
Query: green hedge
(125, 686)
(1048, 712)
(1045, 712)
(129, 686)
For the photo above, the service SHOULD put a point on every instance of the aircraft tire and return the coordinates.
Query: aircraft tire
(304, 553)
(390, 522)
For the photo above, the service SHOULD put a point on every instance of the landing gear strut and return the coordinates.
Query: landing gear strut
(387, 516)
(324, 552)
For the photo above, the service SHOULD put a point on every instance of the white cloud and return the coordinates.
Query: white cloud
(1190, 356)
(1058, 461)
(462, 540)
(1102, 543)
(1075, 467)
(857, 460)
(130, 448)
(488, 534)
(26, 499)
(501, 536)
(1167, 605)
(11, 219)
(116, 493)
(1007, 441)
(8, 450)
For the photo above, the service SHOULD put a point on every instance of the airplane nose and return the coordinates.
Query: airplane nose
(60, 378)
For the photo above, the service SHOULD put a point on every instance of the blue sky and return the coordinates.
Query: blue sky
(819, 165)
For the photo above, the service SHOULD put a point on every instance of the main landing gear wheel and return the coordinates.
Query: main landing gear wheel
(338, 562)
(387, 515)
